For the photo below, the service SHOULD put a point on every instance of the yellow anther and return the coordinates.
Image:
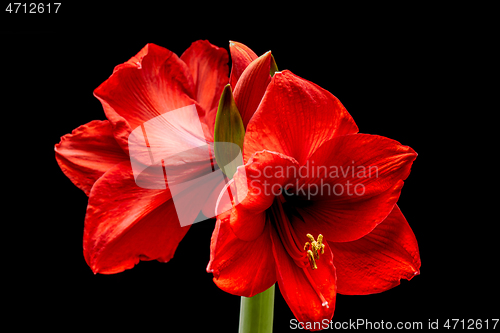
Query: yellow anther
(314, 249)
(310, 256)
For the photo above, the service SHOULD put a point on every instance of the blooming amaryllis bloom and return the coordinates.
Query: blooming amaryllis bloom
(320, 215)
(124, 222)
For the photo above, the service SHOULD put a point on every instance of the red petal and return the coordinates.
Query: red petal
(120, 127)
(88, 152)
(295, 117)
(241, 57)
(374, 162)
(239, 267)
(251, 86)
(355, 198)
(126, 223)
(379, 260)
(151, 83)
(263, 180)
(208, 66)
(348, 221)
(301, 287)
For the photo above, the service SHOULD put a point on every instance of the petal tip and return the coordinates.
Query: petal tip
(94, 269)
(209, 267)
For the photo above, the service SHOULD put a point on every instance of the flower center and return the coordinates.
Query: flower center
(302, 256)
(288, 237)
(313, 249)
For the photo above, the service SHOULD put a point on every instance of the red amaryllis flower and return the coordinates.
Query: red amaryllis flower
(124, 222)
(320, 214)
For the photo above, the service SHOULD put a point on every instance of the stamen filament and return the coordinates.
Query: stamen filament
(324, 302)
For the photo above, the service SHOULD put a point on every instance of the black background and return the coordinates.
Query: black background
(390, 67)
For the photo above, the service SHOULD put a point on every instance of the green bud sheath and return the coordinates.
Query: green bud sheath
(228, 128)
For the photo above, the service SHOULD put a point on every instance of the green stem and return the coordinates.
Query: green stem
(257, 312)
